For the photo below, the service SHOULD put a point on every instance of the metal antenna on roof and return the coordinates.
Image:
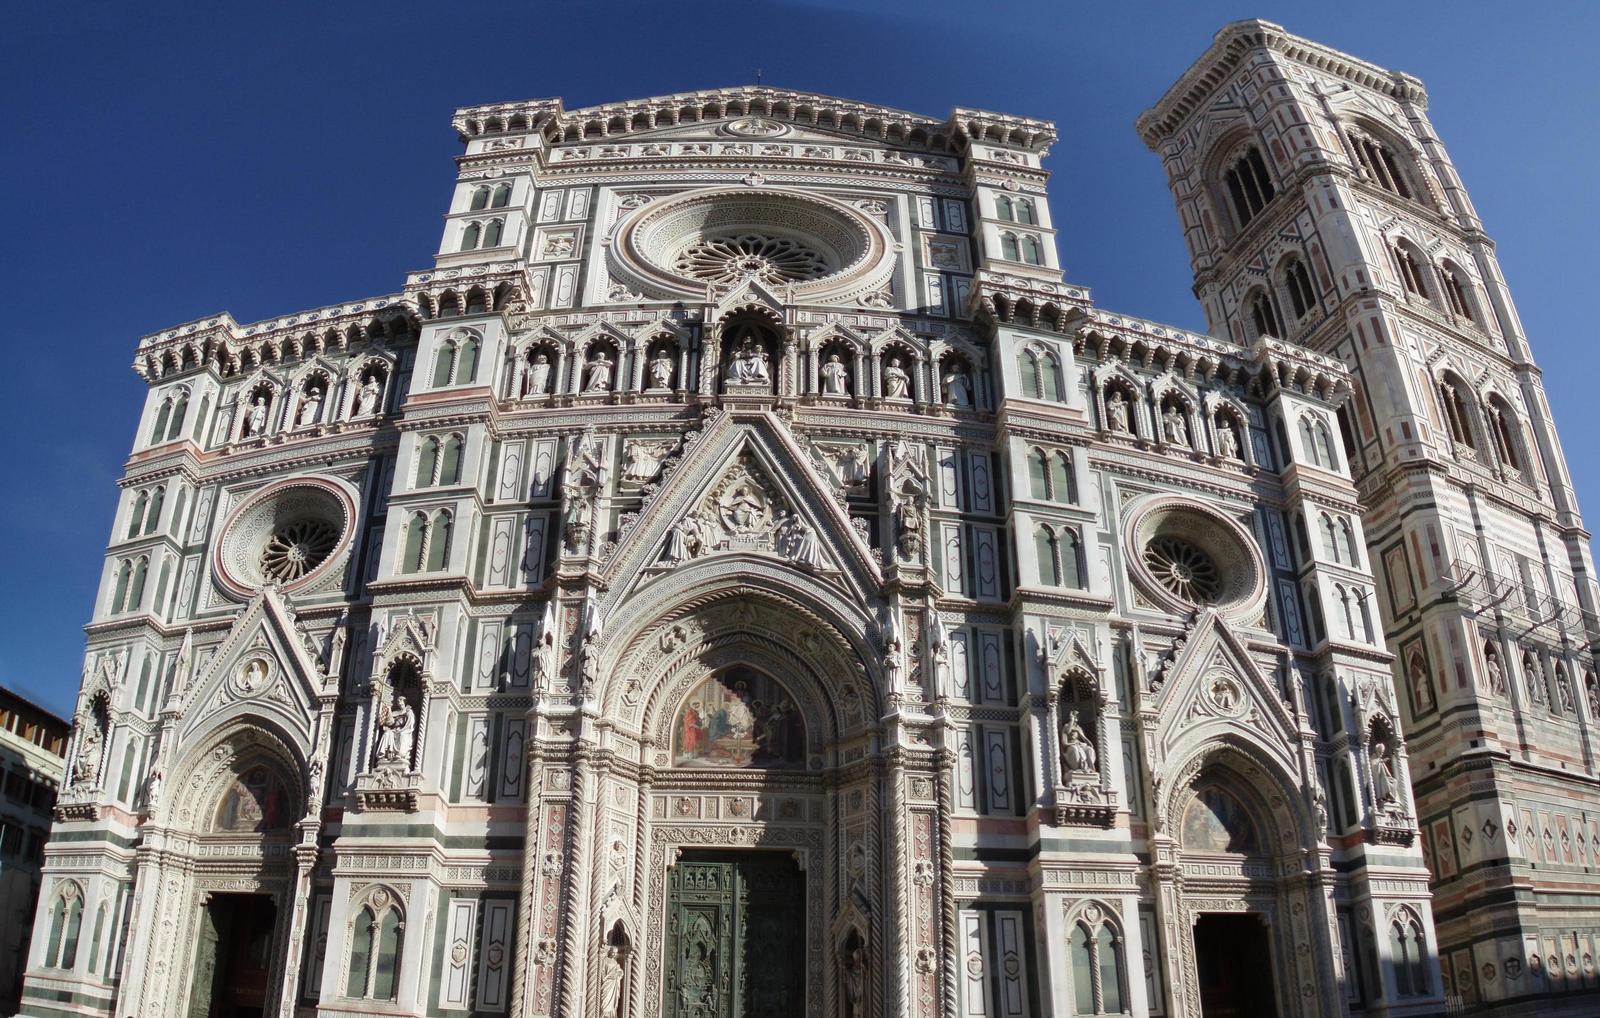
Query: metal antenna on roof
(758, 75)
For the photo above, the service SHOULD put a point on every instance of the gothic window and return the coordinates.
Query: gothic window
(120, 593)
(493, 231)
(136, 521)
(1097, 966)
(162, 415)
(141, 566)
(376, 937)
(456, 362)
(1025, 214)
(1046, 551)
(1317, 442)
(154, 516)
(1004, 209)
(180, 409)
(1032, 250)
(1379, 164)
(177, 512)
(1503, 423)
(444, 363)
(1062, 486)
(1264, 315)
(1347, 538)
(200, 418)
(1249, 186)
(1408, 949)
(1411, 272)
(427, 461)
(480, 199)
(1039, 473)
(1009, 249)
(439, 541)
(502, 197)
(66, 920)
(416, 542)
(1330, 536)
(1302, 298)
(1456, 292)
(470, 236)
(450, 462)
(1071, 559)
(1059, 557)
(1049, 377)
(1456, 414)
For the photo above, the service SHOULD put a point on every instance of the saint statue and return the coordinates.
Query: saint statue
(854, 964)
(1227, 441)
(89, 747)
(1497, 676)
(835, 377)
(311, 408)
(367, 398)
(642, 460)
(661, 371)
(896, 383)
(686, 541)
(853, 466)
(1173, 427)
(597, 376)
(395, 732)
(1077, 754)
(1117, 413)
(257, 421)
(749, 365)
(611, 975)
(797, 542)
(958, 387)
(538, 376)
(1382, 782)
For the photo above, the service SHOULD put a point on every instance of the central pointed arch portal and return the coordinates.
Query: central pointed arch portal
(760, 807)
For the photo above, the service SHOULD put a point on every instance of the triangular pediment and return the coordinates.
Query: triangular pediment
(745, 487)
(751, 293)
(266, 667)
(1214, 686)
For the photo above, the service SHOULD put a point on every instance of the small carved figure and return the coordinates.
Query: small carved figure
(597, 376)
(835, 377)
(908, 517)
(749, 365)
(686, 541)
(89, 749)
(661, 371)
(311, 408)
(641, 461)
(958, 387)
(797, 542)
(743, 511)
(395, 733)
(1077, 754)
(1592, 689)
(1173, 427)
(1382, 781)
(152, 788)
(538, 375)
(1227, 441)
(853, 468)
(896, 383)
(854, 964)
(256, 423)
(611, 975)
(1117, 413)
(255, 673)
(1564, 691)
(1497, 675)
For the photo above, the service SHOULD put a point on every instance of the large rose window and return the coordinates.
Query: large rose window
(770, 259)
(1183, 569)
(290, 533)
(1186, 555)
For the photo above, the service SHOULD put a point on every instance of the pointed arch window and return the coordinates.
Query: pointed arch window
(1456, 414)
(136, 586)
(158, 432)
(376, 939)
(1456, 292)
(467, 370)
(1049, 377)
(1507, 431)
(136, 521)
(1264, 315)
(444, 363)
(1410, 267)
(1097, 968)
(1347, 536)
(502, 197)
(1063, 486)
(1408, 950)
(1039, 473)
(439, 541)
(119, 595)
(1249, 186)
(1032, 250)
(1379, 163)
(1009, 249)
(470, 236)
(1297, 280)
(493, 232)
(480, 199)
(1004, 209)
(416, 543)
(180, 409)
(1330, 536)
(1047, 553)
(427, 461)
(450, 463)
(1025, 214)
(154, 516)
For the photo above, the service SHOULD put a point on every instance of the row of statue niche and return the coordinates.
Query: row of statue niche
(1174, 429)
(835, 378)
(309, 413)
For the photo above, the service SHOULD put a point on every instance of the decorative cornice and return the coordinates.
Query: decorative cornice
(1227, 53)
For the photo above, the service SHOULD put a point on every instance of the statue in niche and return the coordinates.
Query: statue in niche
(152, 789)
(853, 962)
(367, 398)
(908, 520)
(585, 478)
(798, 543)
(611, 976)
(1383, 790)
(835, 377)
(853, 470)
(1077, 753)
(1227, 441)
(1173, 427)
(1564, 691)
(1497, 675)
(1117, 413)
(396, 724)
(90, 747)
(256, 423)
(686, 541)
(538, 375)
(661, 371)
(958, 386)
(1592, 688)
(597, 375)
(896, 383)
(749, 365)
(311, 408)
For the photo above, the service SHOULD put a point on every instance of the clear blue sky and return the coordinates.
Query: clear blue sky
(168, 162)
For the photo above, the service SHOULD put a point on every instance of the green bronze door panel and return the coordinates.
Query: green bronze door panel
(735, 938)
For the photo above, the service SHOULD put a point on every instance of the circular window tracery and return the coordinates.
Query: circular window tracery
(297, 547)
(770, 259)
(1186, 555)
(290, 533)
(1183, 569)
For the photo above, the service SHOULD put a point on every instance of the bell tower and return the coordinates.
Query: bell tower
(1320, 207)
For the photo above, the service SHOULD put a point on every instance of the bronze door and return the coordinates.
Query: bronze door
(736, 938)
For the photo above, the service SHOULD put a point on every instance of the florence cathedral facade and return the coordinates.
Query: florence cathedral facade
(742, 579)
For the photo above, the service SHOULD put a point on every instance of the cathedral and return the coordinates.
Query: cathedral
(741, 578)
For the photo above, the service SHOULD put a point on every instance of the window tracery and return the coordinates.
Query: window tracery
(1249, 186)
